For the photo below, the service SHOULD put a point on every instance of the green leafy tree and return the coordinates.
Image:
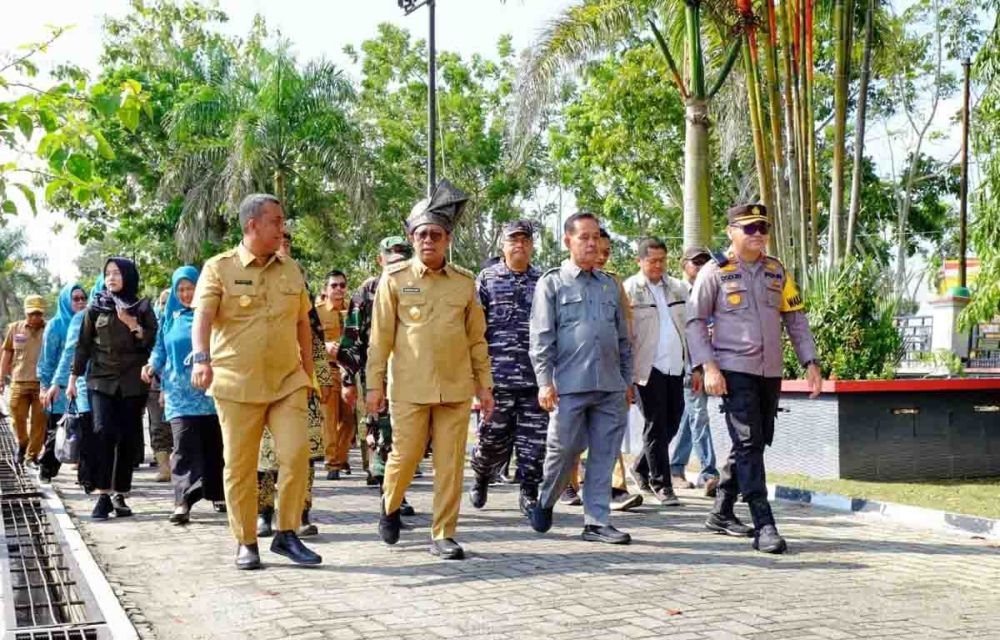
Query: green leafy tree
(21, 273)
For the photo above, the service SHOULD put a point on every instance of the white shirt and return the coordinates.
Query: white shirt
(669, 354)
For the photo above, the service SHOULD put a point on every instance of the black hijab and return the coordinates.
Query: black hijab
(128, 297)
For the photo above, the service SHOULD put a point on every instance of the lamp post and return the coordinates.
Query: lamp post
(408, 7)
(963, 201)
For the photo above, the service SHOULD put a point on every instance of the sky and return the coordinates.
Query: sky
(322, 28)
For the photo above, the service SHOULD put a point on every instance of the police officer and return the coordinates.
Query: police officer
(506, 289)
(427, 317)
(253, 304)
(749, 295)
(583, 363)
(352, 356)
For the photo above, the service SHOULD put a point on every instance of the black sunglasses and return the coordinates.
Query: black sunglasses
(753, 228)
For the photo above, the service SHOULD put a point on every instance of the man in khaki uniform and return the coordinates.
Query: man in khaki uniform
(254, 304)
(427, 317)
(21, 347)
(338, 422)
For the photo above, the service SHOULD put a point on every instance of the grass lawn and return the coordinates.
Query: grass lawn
(977, 497)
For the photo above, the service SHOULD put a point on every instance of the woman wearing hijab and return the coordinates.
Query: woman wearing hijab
(117, 336)
(197, 436)
(72, 298)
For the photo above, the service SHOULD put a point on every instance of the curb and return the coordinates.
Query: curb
(918, 517)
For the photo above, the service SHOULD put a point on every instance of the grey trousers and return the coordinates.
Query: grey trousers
(596, 421)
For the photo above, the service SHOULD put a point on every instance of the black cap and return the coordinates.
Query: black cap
(443, 208)
(515, 227)
(745, 213)
(694, 252)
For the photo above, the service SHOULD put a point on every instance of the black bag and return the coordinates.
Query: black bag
(68, 436)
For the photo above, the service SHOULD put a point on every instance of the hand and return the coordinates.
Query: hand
(147, 373)
(324, 394)
(162, 400)
(374, 402)
(350, 395)
(715, 382)
(548, 398)
(201, 376)
(630, 395)
(486, 403)
(71, 389)
(127, 319)
(50, 396)
(697, 382)
(815, 378)
(332, 348)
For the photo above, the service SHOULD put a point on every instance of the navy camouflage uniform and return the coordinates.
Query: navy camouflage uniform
(517, 418)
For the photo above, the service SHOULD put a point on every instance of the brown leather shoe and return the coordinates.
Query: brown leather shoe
(710, 486)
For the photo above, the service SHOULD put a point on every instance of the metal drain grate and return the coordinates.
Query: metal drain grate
(57, 634)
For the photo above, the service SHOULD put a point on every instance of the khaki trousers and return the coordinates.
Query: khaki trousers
(242, 428)
(617, 476)
(447, 425)
(338, 430)
(25, 402)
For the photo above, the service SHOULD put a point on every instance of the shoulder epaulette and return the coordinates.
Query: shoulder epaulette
(396, 267)
(462, 270)
(720, 258)
(773, 262)
(552, 270)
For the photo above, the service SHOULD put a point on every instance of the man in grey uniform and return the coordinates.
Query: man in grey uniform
(583, 364)
(750, 296)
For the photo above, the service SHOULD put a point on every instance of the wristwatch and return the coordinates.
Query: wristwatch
(202, 357)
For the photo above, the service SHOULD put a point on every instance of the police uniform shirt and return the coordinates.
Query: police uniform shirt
(748, 303)
(431, 323)
(25, 346)
(579, 332)
(506, 297)
(254, 346)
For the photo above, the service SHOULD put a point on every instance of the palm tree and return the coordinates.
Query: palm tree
(594, 26)
(15, 280)
(265, 124)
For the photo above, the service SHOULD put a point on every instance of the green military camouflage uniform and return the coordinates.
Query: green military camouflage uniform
(352, 358)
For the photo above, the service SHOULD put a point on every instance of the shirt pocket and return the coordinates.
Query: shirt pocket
(772, 294)
(412, 309)
(241, 301)
(608, 309)
(453, 312)
(570, 307)
(734, 297)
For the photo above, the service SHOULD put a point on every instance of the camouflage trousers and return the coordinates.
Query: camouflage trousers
(517, 420)
(267, 488)
(381, 429)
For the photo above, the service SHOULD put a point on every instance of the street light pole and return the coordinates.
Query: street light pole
(408, 7)
(963, 198)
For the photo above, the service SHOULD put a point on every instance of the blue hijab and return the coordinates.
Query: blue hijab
(174, 307)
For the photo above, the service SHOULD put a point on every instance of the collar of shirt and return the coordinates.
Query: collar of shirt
(574, 270)
(247, 258)
(329, 307)
(420, 269)
(502, 269)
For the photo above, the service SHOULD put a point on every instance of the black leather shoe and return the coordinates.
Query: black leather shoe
(623, 500)
(728, 524)
(287, 543)
(389, 525)
(103, 508)
(768, 540)
(371, 481)
(540, 518)
(247, 557)
(264, 519)
(666, 497)
(333, 474)
(607, 534)
(122, 510)
(406, 509)
(479, 491)
(447, 549)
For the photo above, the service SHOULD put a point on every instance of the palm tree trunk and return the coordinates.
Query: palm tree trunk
(783, 213)
(841, 31)
(809, 129)
(279, 188)
(697, 217)
(859, 136)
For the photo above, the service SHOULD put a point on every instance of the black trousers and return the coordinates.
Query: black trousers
(117, 433)
(196, 467)
(49, 464)
(750, 407)
(84, 470)
(662, 405)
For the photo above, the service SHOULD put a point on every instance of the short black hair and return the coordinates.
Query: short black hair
(334, 273)
(605, 234)
(651, 242)
(570, 225)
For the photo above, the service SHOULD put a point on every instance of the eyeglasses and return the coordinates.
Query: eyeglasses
(753, 228)
(79, 298)
(337, 285)
(428, 234)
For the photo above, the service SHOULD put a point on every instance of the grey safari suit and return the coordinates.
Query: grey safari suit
(579, 343)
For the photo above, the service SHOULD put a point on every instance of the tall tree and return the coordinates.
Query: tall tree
(21, 273)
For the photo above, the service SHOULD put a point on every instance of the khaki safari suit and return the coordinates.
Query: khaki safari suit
(432, 326)
(338, 425)
(25, 345)
(258, 379)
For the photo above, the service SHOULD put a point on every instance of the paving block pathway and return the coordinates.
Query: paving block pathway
(843, 577)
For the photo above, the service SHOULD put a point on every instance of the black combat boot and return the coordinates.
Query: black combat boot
(478, 491)
(528, 498)
(722, 518)
(264, 519)
(766, 536)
